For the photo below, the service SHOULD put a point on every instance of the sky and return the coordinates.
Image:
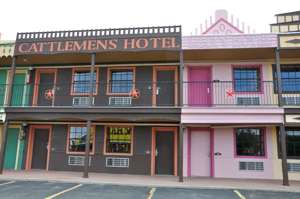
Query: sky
(49, 15)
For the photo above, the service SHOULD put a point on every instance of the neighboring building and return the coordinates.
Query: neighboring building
(15, 142)
(286, 22)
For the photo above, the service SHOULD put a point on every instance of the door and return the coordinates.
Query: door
(18, 96)
(165, 87)
(45, 85)
(11, 148)
(3, 75)
(199, 86)
(200, 153)
(164, 160)
(40, 149)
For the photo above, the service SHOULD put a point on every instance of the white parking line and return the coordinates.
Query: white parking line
(151, 192)
(239, 194)
(6, 183)
(64, 191)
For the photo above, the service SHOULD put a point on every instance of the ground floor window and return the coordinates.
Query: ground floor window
(118, 140)
(292, 142)
(250, 142)
(77, 138)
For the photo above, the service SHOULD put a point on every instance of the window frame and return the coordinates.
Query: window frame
(108, 77)
(118, 154)
(74, 70)
(263, 131)
(279, 143)
(258, 67)
(282, 67)
(93, 131)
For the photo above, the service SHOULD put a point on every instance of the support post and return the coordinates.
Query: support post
(87, 150)
(92, 79)
(285, 174)
(3, 145)
(278, 79)
(180, 154)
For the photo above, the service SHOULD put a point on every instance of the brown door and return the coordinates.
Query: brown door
(164, 161)
(45, 85)
(165, 88)
(40, 151)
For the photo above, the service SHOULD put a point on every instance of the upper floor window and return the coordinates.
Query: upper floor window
(290, 78)
(77, 138)
(292, 142)
(118, 140)
(246, 79)
(81, 81)
(121, 80)
(250, 142)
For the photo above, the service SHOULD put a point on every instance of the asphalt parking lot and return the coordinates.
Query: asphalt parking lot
(50, 190)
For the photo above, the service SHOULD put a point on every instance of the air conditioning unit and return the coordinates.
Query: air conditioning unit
(293, 100)
(77, 161)
(248, 101)
(120, 101)
(294, 167)
(251, 166)
(82, 101)
(117, 162)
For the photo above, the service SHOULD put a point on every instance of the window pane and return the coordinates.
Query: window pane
(118, 139)
(121, 81)
(293, 142)
(290, 79)
(246, 79)
(77, 136)
(250, 142)
(81, 83)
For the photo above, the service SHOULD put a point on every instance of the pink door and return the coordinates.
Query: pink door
(200, 153)
(199, 86)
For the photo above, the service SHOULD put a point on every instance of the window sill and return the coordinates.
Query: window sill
(118, 154)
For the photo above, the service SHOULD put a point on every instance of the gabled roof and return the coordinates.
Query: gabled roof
(289, 13)
(233, 41)
(6, 48)
(222, 26)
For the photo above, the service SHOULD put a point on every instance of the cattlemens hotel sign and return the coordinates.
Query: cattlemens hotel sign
(133, 39)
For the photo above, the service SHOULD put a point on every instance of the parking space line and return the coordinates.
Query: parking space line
(6, 183)
(239, 194)
(64, 191)
(151, 192)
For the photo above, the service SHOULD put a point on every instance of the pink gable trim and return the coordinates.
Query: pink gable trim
(226, 22)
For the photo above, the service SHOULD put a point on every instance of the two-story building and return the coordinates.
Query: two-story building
(110, 97)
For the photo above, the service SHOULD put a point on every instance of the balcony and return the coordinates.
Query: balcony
(228, 93)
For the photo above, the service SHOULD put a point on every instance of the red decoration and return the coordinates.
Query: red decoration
(230, 92)
(49, 94)
(135, 93)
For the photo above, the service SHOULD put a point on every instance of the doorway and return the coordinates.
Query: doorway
(199, 86)
(165, 86)
(38, 150)
(164, 151)
(45, 82)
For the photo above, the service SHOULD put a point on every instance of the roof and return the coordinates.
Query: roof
(289, 13)
(7, 48)
(234, 41)
(222, 26)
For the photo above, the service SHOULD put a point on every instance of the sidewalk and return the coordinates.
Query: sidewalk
(151, 181)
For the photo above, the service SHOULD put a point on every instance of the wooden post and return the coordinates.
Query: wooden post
(285, 174)
(87, 150)
(278, 79)
(7, 102)
(92, 79)
(181, 130)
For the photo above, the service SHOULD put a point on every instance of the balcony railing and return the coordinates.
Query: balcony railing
(147, 94)
(228, 93)
(114, 94)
